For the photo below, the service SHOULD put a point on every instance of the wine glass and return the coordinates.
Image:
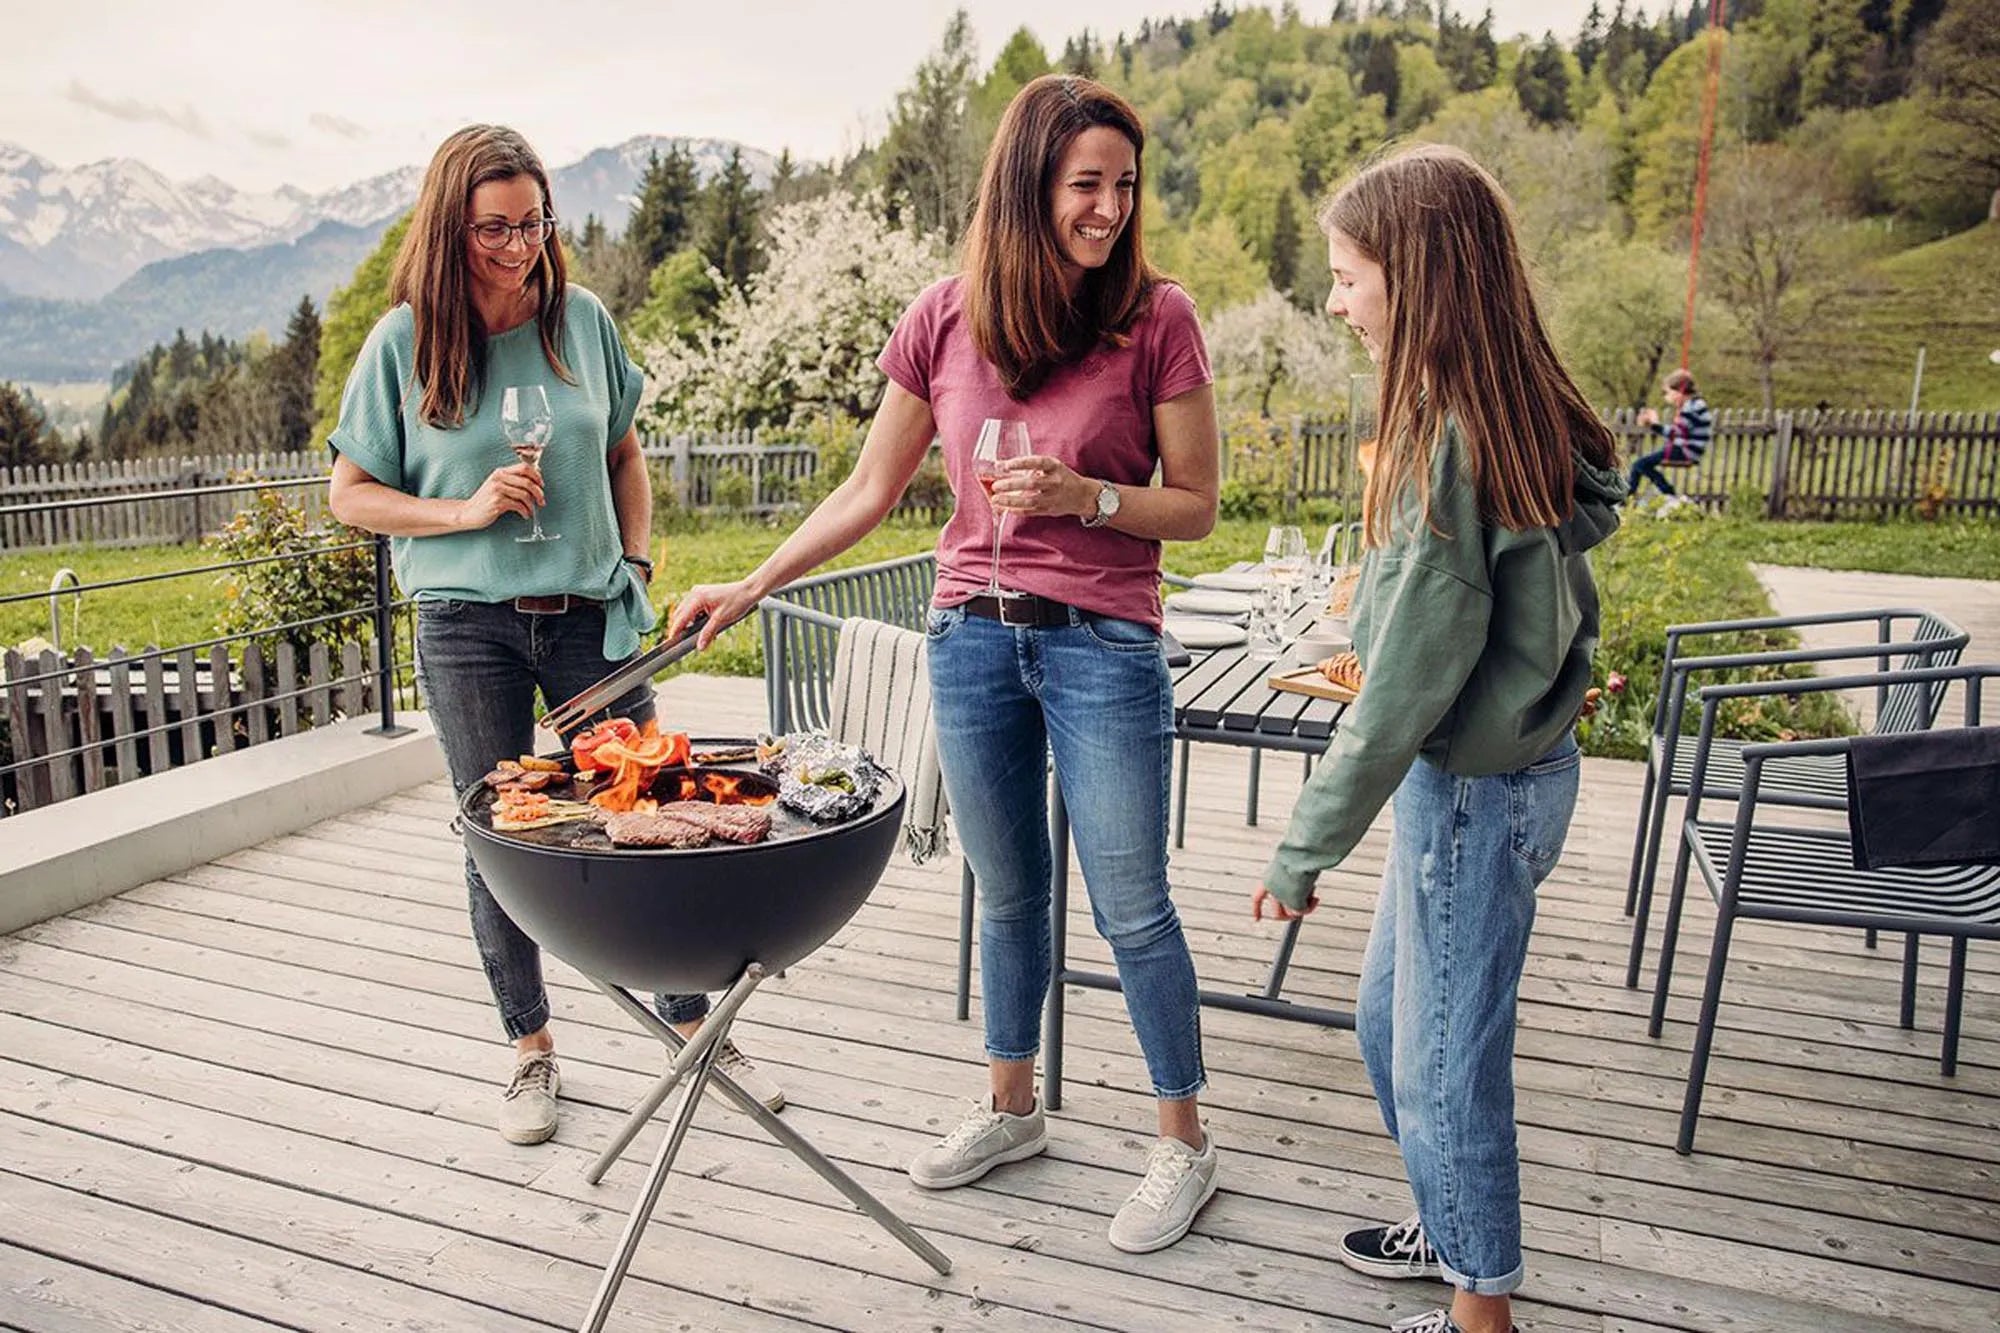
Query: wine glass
(1285, 557)
(527, 423)
(1000, 439)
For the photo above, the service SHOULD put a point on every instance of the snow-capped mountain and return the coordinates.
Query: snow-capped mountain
(76, 233)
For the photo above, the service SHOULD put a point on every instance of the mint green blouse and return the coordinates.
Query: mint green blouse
(382, 432)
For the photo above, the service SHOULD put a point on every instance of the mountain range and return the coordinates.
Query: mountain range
(100, 261)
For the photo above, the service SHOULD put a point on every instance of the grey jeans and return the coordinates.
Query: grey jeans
(480, 664)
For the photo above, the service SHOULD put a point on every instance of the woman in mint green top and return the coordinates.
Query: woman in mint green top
(482, 303)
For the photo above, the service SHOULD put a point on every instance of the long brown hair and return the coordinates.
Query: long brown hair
(1463, 340)
(431, 274)
(1022, 319)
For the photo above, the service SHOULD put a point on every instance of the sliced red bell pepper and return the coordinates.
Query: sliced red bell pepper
(584, 748)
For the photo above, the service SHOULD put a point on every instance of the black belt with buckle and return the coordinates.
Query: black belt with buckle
(554, 604)
(1022, 610)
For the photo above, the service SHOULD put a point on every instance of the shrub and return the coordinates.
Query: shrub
(303, 588)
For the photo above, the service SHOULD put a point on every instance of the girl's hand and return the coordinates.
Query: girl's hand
(1039, 484)
(1648, 417)
(1263, 898)
(516, 489)
(726, 603)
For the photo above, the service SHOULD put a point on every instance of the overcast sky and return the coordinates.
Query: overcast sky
(319, 94)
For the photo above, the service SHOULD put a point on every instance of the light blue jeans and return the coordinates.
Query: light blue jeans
(1435, 1014)
(1094, 693)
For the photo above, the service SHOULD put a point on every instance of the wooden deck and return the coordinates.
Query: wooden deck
(259, 1095)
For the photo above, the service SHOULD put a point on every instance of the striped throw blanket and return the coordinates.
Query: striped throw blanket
(880, 699)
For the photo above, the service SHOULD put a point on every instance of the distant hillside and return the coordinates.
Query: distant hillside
(1944, 295)
(233, 292)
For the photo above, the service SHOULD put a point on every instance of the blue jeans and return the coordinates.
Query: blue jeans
(1648, 465)
(479, 664)
(1096, 694)
(1435, 1013)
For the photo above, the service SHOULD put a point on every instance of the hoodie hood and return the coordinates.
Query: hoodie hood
(1599, 490)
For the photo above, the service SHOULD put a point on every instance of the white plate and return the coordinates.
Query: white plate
(1228, 580)
(1195, 632)
(1209, 602)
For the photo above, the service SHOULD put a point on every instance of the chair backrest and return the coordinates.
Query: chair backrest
(1913, 705)
(799, 651)
(880, 699)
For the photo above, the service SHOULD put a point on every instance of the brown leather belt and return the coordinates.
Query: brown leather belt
(1023, 610)
(555, 604)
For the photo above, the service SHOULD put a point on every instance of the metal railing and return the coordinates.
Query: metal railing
(72, 722)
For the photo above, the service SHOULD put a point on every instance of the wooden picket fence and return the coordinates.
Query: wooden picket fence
(76, 724)
(1794, 464)
(140, 521)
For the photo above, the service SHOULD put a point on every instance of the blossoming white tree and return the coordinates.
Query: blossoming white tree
(800, 342)
(1268, 343)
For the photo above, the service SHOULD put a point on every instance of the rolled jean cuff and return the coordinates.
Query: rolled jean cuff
(526, 1024)
(1191, 1090)
(1028, 1054)
(1485, 1286)
(681, 1008)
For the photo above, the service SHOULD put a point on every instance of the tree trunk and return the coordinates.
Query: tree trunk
(1766, 379)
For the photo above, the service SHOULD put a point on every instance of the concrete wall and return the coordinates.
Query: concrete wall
(62, 856)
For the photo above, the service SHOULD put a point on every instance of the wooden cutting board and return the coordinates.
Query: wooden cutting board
(1308, 680)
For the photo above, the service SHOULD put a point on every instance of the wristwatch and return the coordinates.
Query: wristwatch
(642, 564)
(1107, 506)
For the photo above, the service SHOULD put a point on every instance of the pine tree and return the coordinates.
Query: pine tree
(1541, 82)
(292, 368)
(664, 220)
(25, 437)
(1590, 40)
(930, 163)
(1284, 263)
(729, 231)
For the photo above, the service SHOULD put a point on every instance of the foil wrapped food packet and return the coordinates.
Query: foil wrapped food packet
(821, 778)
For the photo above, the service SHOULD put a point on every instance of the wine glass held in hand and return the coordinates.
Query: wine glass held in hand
(1000, 440)
(527, 423)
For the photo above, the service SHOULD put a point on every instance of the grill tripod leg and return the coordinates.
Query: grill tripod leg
(656, 1179)
(694, 1058)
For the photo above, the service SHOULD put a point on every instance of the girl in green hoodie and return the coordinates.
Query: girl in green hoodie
(1475, 620)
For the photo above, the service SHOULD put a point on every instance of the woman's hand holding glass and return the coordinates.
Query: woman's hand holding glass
(515, 489)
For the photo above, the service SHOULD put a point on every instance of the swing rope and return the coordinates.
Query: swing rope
(1717, 10)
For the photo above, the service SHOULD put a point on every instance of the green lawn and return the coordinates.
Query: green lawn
(1652, 574)
(1862, 351)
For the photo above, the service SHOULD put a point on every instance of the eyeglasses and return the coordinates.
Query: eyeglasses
(494, 235)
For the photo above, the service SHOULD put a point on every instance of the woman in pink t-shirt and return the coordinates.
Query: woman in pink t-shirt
(1057, 321)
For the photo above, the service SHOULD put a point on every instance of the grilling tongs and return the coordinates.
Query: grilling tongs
(572, 713)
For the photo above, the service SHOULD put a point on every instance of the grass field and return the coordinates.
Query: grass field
(1651, 574)
(1944, 296)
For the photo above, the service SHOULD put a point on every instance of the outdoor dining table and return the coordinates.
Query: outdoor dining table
(1220, 698)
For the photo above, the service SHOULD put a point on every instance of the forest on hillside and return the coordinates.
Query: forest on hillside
(1856, 154)
(1856, 159)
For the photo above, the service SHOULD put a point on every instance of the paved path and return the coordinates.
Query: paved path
(1972, 603)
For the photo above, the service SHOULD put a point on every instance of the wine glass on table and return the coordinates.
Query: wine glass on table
(1000, 439)
(1285, 558)
(527, 423)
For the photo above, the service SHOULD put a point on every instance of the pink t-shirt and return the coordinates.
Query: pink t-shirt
(1096, 415)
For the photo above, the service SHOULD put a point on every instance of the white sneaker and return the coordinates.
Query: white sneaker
(1178, 1182)
(748, 1076)
(986, 1138)
(528, 1108)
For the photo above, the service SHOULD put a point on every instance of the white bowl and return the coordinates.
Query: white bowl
(1320, 644)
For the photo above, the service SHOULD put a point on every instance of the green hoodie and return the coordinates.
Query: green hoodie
(1476, 644)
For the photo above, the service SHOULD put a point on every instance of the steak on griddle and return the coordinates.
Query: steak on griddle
(637, 828)
(731, 823)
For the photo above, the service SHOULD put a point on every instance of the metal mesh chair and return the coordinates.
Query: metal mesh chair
(801, 632)
(1804, 780)
(1756, 870)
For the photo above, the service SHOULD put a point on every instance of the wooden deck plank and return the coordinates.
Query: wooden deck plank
(301, 1031)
